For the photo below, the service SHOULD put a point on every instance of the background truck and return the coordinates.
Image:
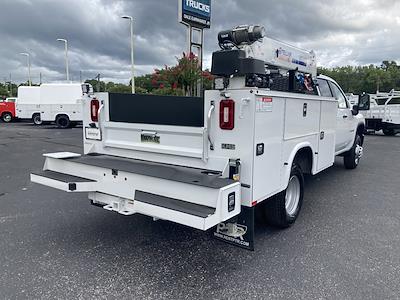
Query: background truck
(61, 104)
(384, 113)
(7, 109)
(207, 163)
(28, 104)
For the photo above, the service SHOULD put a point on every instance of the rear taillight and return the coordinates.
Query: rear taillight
(227, 114)
(94, 110)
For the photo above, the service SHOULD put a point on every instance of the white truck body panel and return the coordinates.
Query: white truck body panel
(388, 112)
(57, 99)
(28, 102)
(189, 147)
(50, 100)
(384, 112)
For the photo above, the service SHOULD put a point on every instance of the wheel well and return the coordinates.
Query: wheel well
(6, 112)
(304, 158)
(360, 132)
(62, 115)
(35, 114)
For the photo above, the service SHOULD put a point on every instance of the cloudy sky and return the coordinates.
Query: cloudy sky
(341, 32)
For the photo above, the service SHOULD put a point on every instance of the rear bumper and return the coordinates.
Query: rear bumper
(192, 197)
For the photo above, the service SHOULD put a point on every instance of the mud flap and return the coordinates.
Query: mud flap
(238, 231)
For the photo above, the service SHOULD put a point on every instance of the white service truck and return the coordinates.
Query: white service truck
(384, 113)
(207, 163)
(61, 103)
(28, 104)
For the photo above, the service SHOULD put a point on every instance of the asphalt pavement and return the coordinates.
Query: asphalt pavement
(345, 244)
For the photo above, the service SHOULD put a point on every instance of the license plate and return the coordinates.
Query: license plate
(92, 134)
(150, 138)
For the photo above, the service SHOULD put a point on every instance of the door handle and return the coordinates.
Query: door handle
(345, 117)
(210, 112)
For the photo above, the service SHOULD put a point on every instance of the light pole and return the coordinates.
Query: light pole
(132, 54)
(66, 56)
(29, 66)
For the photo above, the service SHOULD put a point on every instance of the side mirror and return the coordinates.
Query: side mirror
(87, 89)
(364, 102)
(355, 110)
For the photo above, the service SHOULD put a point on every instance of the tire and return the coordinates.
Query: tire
(353, 156)
(389, 132)
(63, 122)
(36, 119)
(7, 117)
(282, 210)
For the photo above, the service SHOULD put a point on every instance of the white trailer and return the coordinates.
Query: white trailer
(384, 113)
(61, 103)
(28, 104)
(208, 163)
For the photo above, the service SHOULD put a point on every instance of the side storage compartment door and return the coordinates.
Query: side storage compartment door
(327, 138)
(268, 146)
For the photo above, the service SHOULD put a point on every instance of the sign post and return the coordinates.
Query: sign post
(196, 16)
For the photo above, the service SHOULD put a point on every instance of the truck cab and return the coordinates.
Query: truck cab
(7, 109)
(349, 121)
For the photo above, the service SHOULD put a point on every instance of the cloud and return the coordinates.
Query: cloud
(341, 32)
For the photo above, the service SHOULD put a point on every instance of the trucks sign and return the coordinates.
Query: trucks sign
(195, 12)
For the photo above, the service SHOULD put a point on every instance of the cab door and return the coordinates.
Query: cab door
(345, 119)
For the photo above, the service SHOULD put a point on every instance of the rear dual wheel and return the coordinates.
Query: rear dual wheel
(353, 156)
(283, 209)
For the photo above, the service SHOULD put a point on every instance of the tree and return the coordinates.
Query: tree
(98, 86)
(143, 83)
(185, 76)
(367, 79)
(8, 90)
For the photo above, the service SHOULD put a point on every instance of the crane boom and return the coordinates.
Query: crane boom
(281, 55)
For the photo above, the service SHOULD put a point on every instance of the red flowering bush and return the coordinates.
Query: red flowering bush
(182, 78)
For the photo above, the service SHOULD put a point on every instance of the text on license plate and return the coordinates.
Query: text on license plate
(150, 138)
(93, 134)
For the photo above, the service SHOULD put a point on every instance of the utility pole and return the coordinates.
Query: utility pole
(40, 78)
(130, 18)
(98, 82)
(66, 56)
(5, 83)
(28, 56)
(11, 91)
(80, 76)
